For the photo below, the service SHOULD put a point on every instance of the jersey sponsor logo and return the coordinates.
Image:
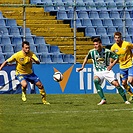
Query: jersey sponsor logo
(21, 59)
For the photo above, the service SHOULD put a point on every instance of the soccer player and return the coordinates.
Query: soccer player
(24, 73)
(124, 50)
(102, 69)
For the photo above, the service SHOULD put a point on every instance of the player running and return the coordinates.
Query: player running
(24, 73)
(102, 69)
(124, 50)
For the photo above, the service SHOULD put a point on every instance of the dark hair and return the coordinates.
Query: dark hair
(25, 42)
(118, 34)
(97, 40)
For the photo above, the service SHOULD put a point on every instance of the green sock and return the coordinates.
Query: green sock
(122, 93)
(99, 89)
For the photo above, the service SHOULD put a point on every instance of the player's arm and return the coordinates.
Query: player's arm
(34, 59)
(84, 62)
(3, 64)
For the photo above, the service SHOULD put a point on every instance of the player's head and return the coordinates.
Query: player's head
(118, 37)
(25, 47)
(97, 43)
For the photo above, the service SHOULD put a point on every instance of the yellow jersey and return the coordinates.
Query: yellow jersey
(125, 54)
(23, 62)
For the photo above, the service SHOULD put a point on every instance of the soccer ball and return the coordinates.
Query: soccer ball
(58, 76)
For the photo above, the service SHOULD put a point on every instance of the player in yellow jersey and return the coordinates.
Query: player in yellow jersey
(124, 50)
(24, 73)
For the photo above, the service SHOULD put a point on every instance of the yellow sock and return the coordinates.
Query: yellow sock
(23, 89)
(43, 94)
(128, 89)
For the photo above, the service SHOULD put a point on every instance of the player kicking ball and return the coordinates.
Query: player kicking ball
(102, 69)
(24, 73)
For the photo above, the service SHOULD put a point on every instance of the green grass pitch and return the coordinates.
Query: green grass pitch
(67, 113)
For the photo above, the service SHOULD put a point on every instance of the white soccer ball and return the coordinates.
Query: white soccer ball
(58, 76)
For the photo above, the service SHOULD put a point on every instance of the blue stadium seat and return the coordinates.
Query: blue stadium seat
(54, 49)
(29, 39)
(93, 14)
(16, 41)
(33, 48)
(35, 1)
(48, 7)
(96, 22)
(117, 22)
(57, 1)
(78, 24)
(125, 14)
(122, 30)
(86, 1)
(90, 6)
(8, 49)
(117, 1)
(98, 1)
(103, 14)
(107, 22)
(68, 58)
(83, 15)
(111, 38)
(2, 23)
(111, 6)
(111, 30)
(62, 15)
(1, 49)
(101, 6)
(101, 31)
(39, 40)
(17, 48)
(69, 6)
(70, 14)
(59, 6)
(27, 32)
(4, 31)
(42, 48)
(90, 32)
(129, 6)
(1, 16)
(80, 6)
(14, 31)
(128, 38)
(45, 58)
(11, 23)
(105, 40)
(128, 22)
(2, 59)
(130, 30)
(57, 58)
(86, 22)
(107, 1)
(120, 6)
(5, 40)
(114, 14)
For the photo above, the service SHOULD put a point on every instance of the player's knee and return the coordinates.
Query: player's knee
(96, 81)
(24, 84)
(39, 85)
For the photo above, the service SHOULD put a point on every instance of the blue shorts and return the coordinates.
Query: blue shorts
(124, 73)
(32, 78)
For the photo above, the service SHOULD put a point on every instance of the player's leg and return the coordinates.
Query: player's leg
(99, 90)
(23, 86)
(42, 92)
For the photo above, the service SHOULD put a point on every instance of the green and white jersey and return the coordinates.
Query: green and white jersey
(101, 60)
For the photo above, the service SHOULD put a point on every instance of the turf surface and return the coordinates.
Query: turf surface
(67, 113)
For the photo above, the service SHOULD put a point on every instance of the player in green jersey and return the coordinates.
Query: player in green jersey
(102, 69)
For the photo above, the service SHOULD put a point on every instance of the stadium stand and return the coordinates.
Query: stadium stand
(95, 18)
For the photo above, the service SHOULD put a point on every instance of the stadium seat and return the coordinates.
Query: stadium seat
(42, 48)
(128, 22)
(16, 41)
(101, 6)
(39, 40)
(1, 16)
(86, 22)
(122, 30)
(125, 14)
(14, 31)
(68, 58)
(101, 31)
(29, 39)
(5, 40)
(130, 30)
(27, 32)
(98, 1)
(114, 14)
(35, 1)
(90, 6)
(103, 14)
(90, 32)
(128, 38)
(129, 6)
(107, 22)
(69, 6)
(96, 22)
(111, 6)
(117, 22)
(1, 49)
(48, 7)
(2, 59)
(70, 15)
(8, 49)
(107, 1)
(111, 30)
(45, 58)
(62, 15)
(2, 23)
(83, 15)
(54, 49)
(4, 31)
(59, 6)
(8, 55)
(105, 40)
(80, 6)
(78, 24)
(93, 14)
(57, 58)
(11, 23)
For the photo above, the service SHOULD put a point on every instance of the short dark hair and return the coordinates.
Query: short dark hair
(25, 42)
(97, 39)
(118, 34)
